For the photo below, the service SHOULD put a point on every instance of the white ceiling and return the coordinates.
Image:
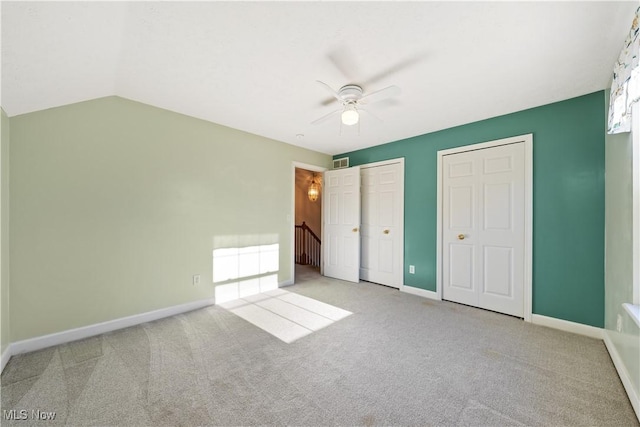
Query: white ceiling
(253, 66)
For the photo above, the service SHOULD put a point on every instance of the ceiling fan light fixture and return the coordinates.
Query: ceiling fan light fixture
(350, 115)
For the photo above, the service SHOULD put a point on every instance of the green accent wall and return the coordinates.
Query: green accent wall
(568, 200)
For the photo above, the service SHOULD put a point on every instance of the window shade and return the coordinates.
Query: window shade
(625, 87)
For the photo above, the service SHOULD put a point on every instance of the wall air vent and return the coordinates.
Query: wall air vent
(341, 163)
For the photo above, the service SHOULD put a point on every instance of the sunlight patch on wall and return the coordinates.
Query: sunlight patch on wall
(245, 265)
(245, 288)
(285, 315)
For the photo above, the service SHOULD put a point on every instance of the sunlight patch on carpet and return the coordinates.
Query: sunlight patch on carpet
(285, 315)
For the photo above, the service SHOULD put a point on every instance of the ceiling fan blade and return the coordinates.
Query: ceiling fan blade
(395, 68)
(378, 119)
(330, 90)
(325, 117)
(343, 59)
(328, 101)
(379, 95)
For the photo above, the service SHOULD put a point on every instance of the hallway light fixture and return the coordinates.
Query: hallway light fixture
(314, 189)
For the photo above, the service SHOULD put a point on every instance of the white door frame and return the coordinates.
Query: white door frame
(399, 160)
(292, 215)
(528, 212)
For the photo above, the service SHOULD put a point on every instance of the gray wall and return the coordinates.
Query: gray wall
(619, 252)
(4, 233)
(116, 204)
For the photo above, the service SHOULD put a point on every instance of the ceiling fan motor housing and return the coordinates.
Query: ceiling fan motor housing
(350, 93)
(351, 97)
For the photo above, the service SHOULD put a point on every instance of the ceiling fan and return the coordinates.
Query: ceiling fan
(353, 99)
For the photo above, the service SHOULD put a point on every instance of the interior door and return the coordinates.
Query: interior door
(381, 228)
(341, 205)
(483, 228)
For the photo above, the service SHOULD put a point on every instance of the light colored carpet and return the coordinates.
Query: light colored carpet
(285, 315)
(398, 360)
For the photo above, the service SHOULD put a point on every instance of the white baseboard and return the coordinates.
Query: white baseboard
(565, 325)
(63, 337)
(6, 355)
(622, 373)
(419, 292)
(550, 322)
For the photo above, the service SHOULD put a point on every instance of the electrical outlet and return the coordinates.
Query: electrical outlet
(196, 279)
(619, 324)
(412, 269)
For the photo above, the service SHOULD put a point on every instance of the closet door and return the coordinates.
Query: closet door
(382, 224)
(341, 204)
(483, 222)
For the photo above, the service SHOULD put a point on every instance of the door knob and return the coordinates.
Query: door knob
(386, 231)
(460, 236)
(355, 230)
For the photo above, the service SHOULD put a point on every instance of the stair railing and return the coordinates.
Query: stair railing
(307, 250)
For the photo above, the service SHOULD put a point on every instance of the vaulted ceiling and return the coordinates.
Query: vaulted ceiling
(253, 66)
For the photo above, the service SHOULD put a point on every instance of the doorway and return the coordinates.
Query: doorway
(306, 219)
(484, 225)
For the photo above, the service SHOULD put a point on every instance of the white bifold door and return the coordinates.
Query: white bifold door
(341, 204)
(483, 228)
(382, 224)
